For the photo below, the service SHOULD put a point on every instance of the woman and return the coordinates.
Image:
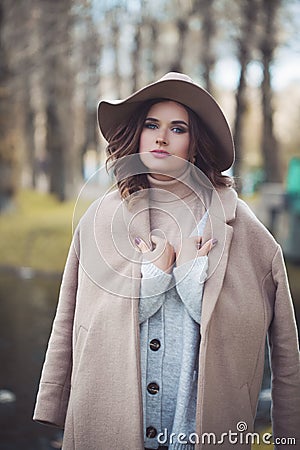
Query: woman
(170, 289)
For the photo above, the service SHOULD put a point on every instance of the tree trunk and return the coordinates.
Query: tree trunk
(29, 160)
(154, 27)
(245, 43)
(115, 45)
(208, 32)
(270, 148)
(88, 50)
(8, 143)
(240, 109)
(268, 44)
(205, 12)
(58, 82)
(182, 28)
(136, 57)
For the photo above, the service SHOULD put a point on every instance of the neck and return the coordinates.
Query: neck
(162, 177)
(171, 189)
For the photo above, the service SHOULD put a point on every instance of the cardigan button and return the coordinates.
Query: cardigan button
(155, 345)
(153, 388)
(151, 432)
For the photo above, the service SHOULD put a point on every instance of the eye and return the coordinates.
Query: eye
(179, 130)
(150, 125)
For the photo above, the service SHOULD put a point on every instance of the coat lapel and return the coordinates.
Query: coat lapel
(136, 217)
(221, 211)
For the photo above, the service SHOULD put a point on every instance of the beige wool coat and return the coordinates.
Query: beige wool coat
(91, 383)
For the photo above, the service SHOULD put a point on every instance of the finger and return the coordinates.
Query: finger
(142, 246)
(205, 248)
(158, 241)
(198, 242)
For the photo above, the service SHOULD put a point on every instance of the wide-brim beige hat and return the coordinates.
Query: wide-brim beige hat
(179, 88)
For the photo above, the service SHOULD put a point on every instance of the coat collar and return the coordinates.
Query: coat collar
(136, 215)
(223, 204)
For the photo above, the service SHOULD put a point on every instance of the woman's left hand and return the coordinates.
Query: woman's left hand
(192, 248)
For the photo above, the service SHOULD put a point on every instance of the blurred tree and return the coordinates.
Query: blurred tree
(175, 21)
(23, 49)
(113, 18)
(87, 49)
(246, 19)
(58, 89)
(208, 60)
(137, 48)
(208, 34)
(29, 158)
(151, 24)
(25, 62)
(154, 28)
(143, 46)
(182, 30)
(8, 137)
(267, 46)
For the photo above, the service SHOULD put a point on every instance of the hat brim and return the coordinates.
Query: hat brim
(112, 114)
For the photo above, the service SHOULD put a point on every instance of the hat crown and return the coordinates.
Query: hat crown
(176, 76)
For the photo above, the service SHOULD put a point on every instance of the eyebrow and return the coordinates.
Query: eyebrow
(174, 122)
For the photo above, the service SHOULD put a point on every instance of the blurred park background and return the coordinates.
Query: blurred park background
(57, 59)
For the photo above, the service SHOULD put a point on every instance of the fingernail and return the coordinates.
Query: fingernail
(137, 240)
(214, 241)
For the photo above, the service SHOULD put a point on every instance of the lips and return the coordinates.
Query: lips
(160, 153)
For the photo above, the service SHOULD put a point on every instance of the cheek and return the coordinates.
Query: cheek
(144, 142)
(186, 148)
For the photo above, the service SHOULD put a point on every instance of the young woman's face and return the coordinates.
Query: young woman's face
(165, 140)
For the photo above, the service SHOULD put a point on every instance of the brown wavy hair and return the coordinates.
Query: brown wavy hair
(124, 141)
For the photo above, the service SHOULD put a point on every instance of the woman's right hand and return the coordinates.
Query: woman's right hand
(163, 254)
(193, 247)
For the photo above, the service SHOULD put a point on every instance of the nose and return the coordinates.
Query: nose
(161, 141)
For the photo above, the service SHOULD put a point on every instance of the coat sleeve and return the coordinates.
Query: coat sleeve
(54, 389)
(285, 367)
